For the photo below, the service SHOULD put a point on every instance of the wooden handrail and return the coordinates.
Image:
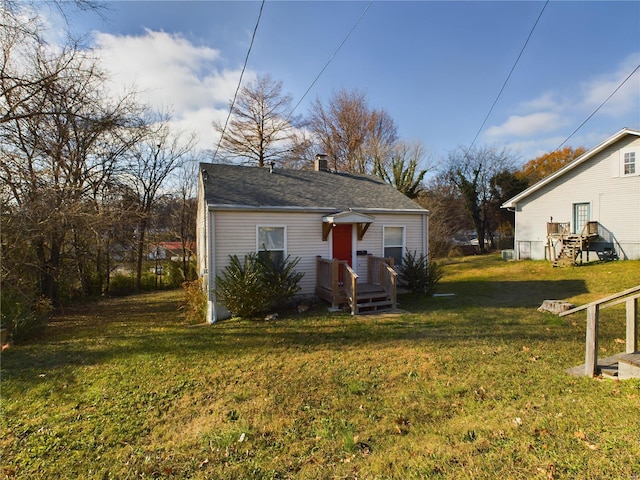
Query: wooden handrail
(351, 287)
(390, 282)
(602, 301)
(630, 298)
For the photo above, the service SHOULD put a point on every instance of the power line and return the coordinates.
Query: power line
(235, 95)
(508, 77)
(331, 58)
(597, 109)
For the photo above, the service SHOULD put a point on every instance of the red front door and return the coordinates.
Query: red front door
(342, 242)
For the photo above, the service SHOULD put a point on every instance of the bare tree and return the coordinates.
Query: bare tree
(52, 142)
(151, 161)
(183, 219)
(260, 130)
(353, 135)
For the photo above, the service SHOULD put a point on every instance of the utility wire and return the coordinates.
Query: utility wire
(331, 58)
(597, 109)
(508, 77)
(235, 95)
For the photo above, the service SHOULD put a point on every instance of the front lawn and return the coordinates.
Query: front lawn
(464, 386)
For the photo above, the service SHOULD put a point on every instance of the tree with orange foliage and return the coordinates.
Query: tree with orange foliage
(544, 165)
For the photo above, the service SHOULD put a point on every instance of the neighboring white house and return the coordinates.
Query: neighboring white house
(598, 195)
(302, 214)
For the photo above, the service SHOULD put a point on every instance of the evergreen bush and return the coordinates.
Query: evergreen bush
(260, 282)
(418, 274)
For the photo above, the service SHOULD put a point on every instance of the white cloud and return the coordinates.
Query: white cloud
(526, 125)
(172, 74)
(625, 100)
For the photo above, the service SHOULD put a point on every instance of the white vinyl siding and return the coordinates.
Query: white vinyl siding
(236, 235)
(614, 202)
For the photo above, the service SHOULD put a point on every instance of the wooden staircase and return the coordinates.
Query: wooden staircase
(370, 299)
(337, 283)
(572, 245)
(621, 366)
(572, 248)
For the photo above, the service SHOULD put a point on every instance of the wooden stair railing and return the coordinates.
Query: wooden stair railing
(571, 244)
(630, 298)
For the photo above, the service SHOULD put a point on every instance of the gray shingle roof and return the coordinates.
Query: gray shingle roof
(232, 185)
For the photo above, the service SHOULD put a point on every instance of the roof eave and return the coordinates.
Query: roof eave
(512, 202)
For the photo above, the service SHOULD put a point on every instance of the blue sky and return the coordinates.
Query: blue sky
(436, 67)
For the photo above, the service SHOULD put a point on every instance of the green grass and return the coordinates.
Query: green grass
(469, 386)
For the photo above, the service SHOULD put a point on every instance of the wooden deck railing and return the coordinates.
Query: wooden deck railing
(630, 298)
(350, 287)
(380, 272)
(328, 279)
(558, 229)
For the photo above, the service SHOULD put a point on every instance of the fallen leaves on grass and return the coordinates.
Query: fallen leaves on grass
(580, 435)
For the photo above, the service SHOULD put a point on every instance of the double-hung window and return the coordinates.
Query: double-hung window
(271, 242)
(629, 163)
(393, 240)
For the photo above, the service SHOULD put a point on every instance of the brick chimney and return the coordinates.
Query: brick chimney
(321, 163)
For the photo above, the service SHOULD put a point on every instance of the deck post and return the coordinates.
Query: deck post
(335, 282)
(632, 325)
(591, 354)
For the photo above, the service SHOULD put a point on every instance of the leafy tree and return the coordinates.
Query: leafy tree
(260, 130)
(403, 170)
(471, 172)
(544, 165)
(505, 185)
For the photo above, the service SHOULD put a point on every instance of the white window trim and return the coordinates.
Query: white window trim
(635, 151)
(258, 246)
(404, 238)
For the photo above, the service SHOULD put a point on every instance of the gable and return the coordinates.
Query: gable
(605, 158)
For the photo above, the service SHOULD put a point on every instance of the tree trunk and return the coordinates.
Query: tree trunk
(140, 253)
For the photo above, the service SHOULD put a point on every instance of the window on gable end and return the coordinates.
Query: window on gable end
(629, 163)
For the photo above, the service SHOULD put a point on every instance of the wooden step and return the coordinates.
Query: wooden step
(374, 307)
(629, 366)
(610, 371)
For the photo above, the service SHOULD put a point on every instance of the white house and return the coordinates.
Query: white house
(316, 216)
(590, 207)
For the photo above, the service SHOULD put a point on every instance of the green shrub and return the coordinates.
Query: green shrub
(241, 287)
(280, 279)
(120, 284)
(257, 284)
(25, 319)
(418, 274)
(195, 302)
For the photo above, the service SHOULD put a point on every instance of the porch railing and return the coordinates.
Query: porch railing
(628, 297)
(380, 272)
(350, 286)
